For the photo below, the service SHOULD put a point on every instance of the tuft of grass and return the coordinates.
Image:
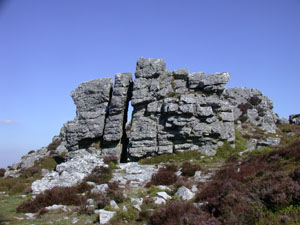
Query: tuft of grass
(176, 158)
(100, 175)
(189, 169)
(240, 142)
(164, 176)
(125, 216)
(153, 190)
(56, 195)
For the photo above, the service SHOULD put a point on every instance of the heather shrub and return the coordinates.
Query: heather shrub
(181, 213)
(130, 215)
(277, 190)
(163, 177)
(189, 169)
(244, 192)
(83, 187)
(100, 200)
(54, 144)
(244, 107)
(2, 172)
(30, 172)
(112, 158)
(56, 195)
(153, 190)
(100, 175)
(296, 175)
(14, 185)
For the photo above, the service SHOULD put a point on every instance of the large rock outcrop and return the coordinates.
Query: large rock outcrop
(178, 110)
(173, 111)
(250, 106)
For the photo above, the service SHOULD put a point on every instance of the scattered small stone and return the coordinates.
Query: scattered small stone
(30, 216)
(44, 172)
(194, 188)
(138, 201)
(19, 218)
(184, 193)
(88, 221)
(90, 201)
(197, 176)
(91, 183)
(178, 173)
(113, 205)
(137, 207)
(159, 200)
(75, 220)
(100, 189)
(105, 216)
(57, 207)
(164, 187)
(124, 208)
(23, 196)
(4, 223)
(164, 195)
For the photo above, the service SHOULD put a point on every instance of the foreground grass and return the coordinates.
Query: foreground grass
(8, 205)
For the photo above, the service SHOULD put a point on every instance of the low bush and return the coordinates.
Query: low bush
(130, 215)
(2, 172)
(83, 187)
(164, 176)
(181, 213)
(244, 192)
(54, 144)
(189, 169)
(296, 175)
(100, 175)
(100, 200)
(112, 158)
(56, 195)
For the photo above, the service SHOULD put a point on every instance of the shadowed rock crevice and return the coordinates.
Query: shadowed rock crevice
(125, 138)
(114, 138)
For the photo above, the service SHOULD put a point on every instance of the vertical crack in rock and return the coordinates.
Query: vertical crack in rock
(114, 138)
(125, 139)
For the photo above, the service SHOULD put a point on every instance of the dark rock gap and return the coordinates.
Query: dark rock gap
(125, 139)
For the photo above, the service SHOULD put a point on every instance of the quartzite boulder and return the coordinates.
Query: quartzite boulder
(175, 111)
(295, 119)
(91, 99)
(252, 107)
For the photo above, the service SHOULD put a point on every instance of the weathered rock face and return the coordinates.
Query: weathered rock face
(252, 107)
(176, 110)
(294, 119)
(91, 99)
(79, 164)
(113, 139)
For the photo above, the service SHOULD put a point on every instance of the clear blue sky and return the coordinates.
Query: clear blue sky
(48, 47)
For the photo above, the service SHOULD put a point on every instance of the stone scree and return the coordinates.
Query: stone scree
(172, 111)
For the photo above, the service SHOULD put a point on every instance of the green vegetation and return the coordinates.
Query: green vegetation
(121, 216)
(177, 158)
(153, 190)
(22, 184)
